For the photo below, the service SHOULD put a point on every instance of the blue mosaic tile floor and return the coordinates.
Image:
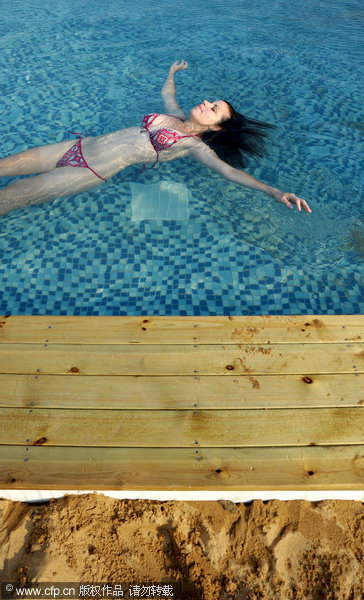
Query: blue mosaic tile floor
(238, 253)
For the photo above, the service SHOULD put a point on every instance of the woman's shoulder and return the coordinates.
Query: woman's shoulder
(160, 118)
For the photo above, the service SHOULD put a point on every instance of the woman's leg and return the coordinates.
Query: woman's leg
(35, 160)
(58, 183)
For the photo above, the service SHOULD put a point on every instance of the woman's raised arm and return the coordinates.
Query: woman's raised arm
(206, 156)
(168, 92)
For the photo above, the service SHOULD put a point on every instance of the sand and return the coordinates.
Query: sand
(270, 550)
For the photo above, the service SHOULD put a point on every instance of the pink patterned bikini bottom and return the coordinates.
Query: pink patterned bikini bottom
(74, 157)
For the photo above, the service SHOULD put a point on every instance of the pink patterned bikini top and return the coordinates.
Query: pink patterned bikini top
(161, 138)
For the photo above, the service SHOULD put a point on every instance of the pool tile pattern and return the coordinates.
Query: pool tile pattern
(239, 252)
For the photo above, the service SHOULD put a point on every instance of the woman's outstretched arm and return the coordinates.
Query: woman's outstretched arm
(206, 156)
(169, 91)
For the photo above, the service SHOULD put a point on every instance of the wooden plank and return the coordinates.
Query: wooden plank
(182, 330)
(310, 468)
(170, 429)
(181, 360)
(206, 392)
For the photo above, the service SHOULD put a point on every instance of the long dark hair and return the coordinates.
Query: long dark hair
(238, 136)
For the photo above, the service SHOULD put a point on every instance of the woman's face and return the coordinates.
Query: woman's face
(210, 114)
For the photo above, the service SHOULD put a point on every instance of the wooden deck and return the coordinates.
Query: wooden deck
(182, 403)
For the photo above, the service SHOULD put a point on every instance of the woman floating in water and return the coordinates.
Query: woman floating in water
(214, 134)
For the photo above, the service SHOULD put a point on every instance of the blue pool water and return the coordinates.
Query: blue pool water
(99, 66)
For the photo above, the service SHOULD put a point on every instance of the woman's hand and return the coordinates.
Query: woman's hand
(178, 67)
(290, 200)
